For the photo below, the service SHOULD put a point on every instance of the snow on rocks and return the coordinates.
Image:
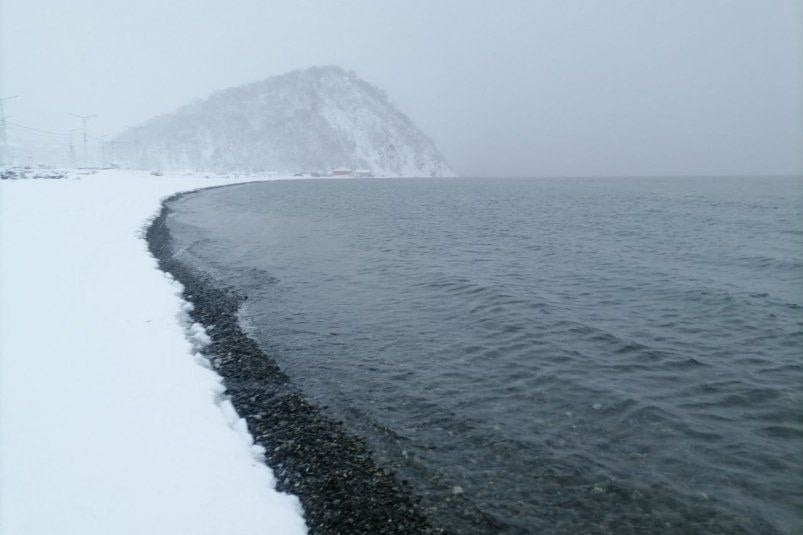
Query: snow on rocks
(107, 422)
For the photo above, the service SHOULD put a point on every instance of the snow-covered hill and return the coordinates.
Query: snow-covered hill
(307, 121)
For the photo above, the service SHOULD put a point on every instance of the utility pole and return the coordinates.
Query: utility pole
(107, 149)
(3, 139)
(137, 149)
(103, 144)
(84, 119)
(72, 147)
(113, 144)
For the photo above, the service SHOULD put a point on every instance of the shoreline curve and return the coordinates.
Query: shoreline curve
(333, 473)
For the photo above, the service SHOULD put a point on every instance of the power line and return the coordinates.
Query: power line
(37, 130)
(23, 135)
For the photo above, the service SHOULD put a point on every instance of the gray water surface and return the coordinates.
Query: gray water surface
(563, 355)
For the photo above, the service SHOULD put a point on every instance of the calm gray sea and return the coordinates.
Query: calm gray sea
(553, 355)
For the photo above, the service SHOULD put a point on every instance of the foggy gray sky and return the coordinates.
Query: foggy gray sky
(506, 87)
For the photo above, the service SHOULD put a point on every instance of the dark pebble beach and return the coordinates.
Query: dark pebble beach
(341, 487)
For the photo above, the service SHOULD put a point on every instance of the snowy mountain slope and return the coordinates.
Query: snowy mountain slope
(312, 120)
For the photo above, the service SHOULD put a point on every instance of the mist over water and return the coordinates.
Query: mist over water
(595, 355)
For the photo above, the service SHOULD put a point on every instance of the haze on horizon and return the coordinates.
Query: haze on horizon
(513, 88)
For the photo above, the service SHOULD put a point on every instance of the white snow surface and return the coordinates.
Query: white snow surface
(109, 422)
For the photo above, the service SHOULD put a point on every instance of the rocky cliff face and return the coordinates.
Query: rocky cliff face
(309, 121)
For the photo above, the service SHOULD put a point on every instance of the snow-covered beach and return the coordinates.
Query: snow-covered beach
(109, 422)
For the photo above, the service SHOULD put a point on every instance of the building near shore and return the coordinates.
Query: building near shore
(342, 171)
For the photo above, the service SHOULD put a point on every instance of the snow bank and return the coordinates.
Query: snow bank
(108, 424)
